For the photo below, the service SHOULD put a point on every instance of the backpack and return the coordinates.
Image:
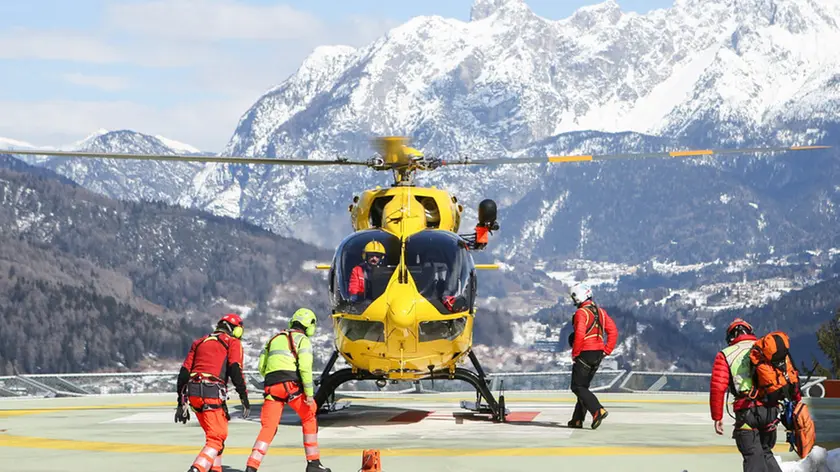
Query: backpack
(801, 434)
(774, 374)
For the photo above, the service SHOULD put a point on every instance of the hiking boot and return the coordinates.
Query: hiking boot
(316, 466)
(598, 417)
(576, 424)
(194, 469)
(250, 469)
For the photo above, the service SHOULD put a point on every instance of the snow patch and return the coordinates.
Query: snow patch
(818, 460)
(526, 333)
(177, 145)
(595, 273)
(674, 268)
(9, 143)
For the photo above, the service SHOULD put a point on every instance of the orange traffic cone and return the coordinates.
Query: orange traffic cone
(370, 461)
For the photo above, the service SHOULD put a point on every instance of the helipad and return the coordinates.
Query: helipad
(421, 432)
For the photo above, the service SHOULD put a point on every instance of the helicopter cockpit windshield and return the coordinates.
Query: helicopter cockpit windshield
(442, 269)
(355, 280)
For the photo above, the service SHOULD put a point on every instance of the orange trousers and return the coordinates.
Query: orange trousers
(272, 409)
(215, 425)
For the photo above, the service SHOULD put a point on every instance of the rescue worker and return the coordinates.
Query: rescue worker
(202, 384)
(755, 420)
(591, 325)
(373, 255)
(286, 365)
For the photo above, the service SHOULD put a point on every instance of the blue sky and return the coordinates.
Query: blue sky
(185, 69)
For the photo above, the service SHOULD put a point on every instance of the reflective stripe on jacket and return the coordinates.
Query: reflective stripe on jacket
(277, 357)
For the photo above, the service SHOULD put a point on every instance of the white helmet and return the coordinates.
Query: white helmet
(580, 293)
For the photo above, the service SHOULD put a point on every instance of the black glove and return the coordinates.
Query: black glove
(182, 413)
(246, 405)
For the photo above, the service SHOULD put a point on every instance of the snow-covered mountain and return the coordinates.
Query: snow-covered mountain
(508, 82)
(128, 179)
(715, 73)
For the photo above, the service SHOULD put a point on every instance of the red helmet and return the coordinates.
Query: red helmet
(737, 328)
(234, 324)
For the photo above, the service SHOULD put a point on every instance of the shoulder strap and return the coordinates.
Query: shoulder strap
(596, 319)
(292, 346)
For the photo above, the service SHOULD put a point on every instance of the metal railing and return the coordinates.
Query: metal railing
(53, 385)
(687, 382)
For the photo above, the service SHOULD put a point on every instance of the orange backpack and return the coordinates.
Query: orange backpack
(775, 375)
(801, 432)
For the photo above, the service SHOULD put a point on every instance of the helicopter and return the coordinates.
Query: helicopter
(413, 319)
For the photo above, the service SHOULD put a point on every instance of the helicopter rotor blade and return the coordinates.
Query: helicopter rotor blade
(183, 158)
(605, 157)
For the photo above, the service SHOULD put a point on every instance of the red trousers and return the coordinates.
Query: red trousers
(272, 409)
(215, 425)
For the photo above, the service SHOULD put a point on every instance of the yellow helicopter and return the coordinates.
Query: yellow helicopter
(403, 285)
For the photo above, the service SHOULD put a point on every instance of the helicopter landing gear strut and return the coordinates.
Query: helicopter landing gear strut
(329, 382)
(482, 389)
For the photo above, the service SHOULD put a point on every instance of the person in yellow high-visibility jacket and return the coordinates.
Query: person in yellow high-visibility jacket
(287, 369)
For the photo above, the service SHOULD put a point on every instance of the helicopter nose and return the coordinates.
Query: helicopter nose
(401, 312)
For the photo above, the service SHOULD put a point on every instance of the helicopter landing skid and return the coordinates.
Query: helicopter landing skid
(482, 389)
(329, 382)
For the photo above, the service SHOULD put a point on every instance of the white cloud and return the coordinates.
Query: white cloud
(103, 82)
(212, 20)
(56, 45)
(204, 124)
(231, 51)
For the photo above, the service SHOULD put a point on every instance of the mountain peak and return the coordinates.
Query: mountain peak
(591, 16)
(482, 9)
(90, 138)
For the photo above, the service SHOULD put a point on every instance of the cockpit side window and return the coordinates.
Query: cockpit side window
(358, 280)
(440, 265)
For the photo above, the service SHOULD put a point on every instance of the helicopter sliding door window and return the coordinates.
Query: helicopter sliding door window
(440, 265)
(371, 279)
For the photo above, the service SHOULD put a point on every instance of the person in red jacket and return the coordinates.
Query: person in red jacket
(755, 420)
(202, 385)
(373, 255)
(589, 347)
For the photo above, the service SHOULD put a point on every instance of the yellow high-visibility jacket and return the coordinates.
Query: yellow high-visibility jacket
(279, 364)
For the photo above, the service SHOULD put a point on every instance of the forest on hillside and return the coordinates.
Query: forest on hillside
(88, 283)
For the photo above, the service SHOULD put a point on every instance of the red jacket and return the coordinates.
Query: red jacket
(357, 280)
(721, 381)
(594, 340)
(219, 355)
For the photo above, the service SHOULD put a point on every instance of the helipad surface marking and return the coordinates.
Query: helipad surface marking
(31, 442)
(364, 400)
(424, 416)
